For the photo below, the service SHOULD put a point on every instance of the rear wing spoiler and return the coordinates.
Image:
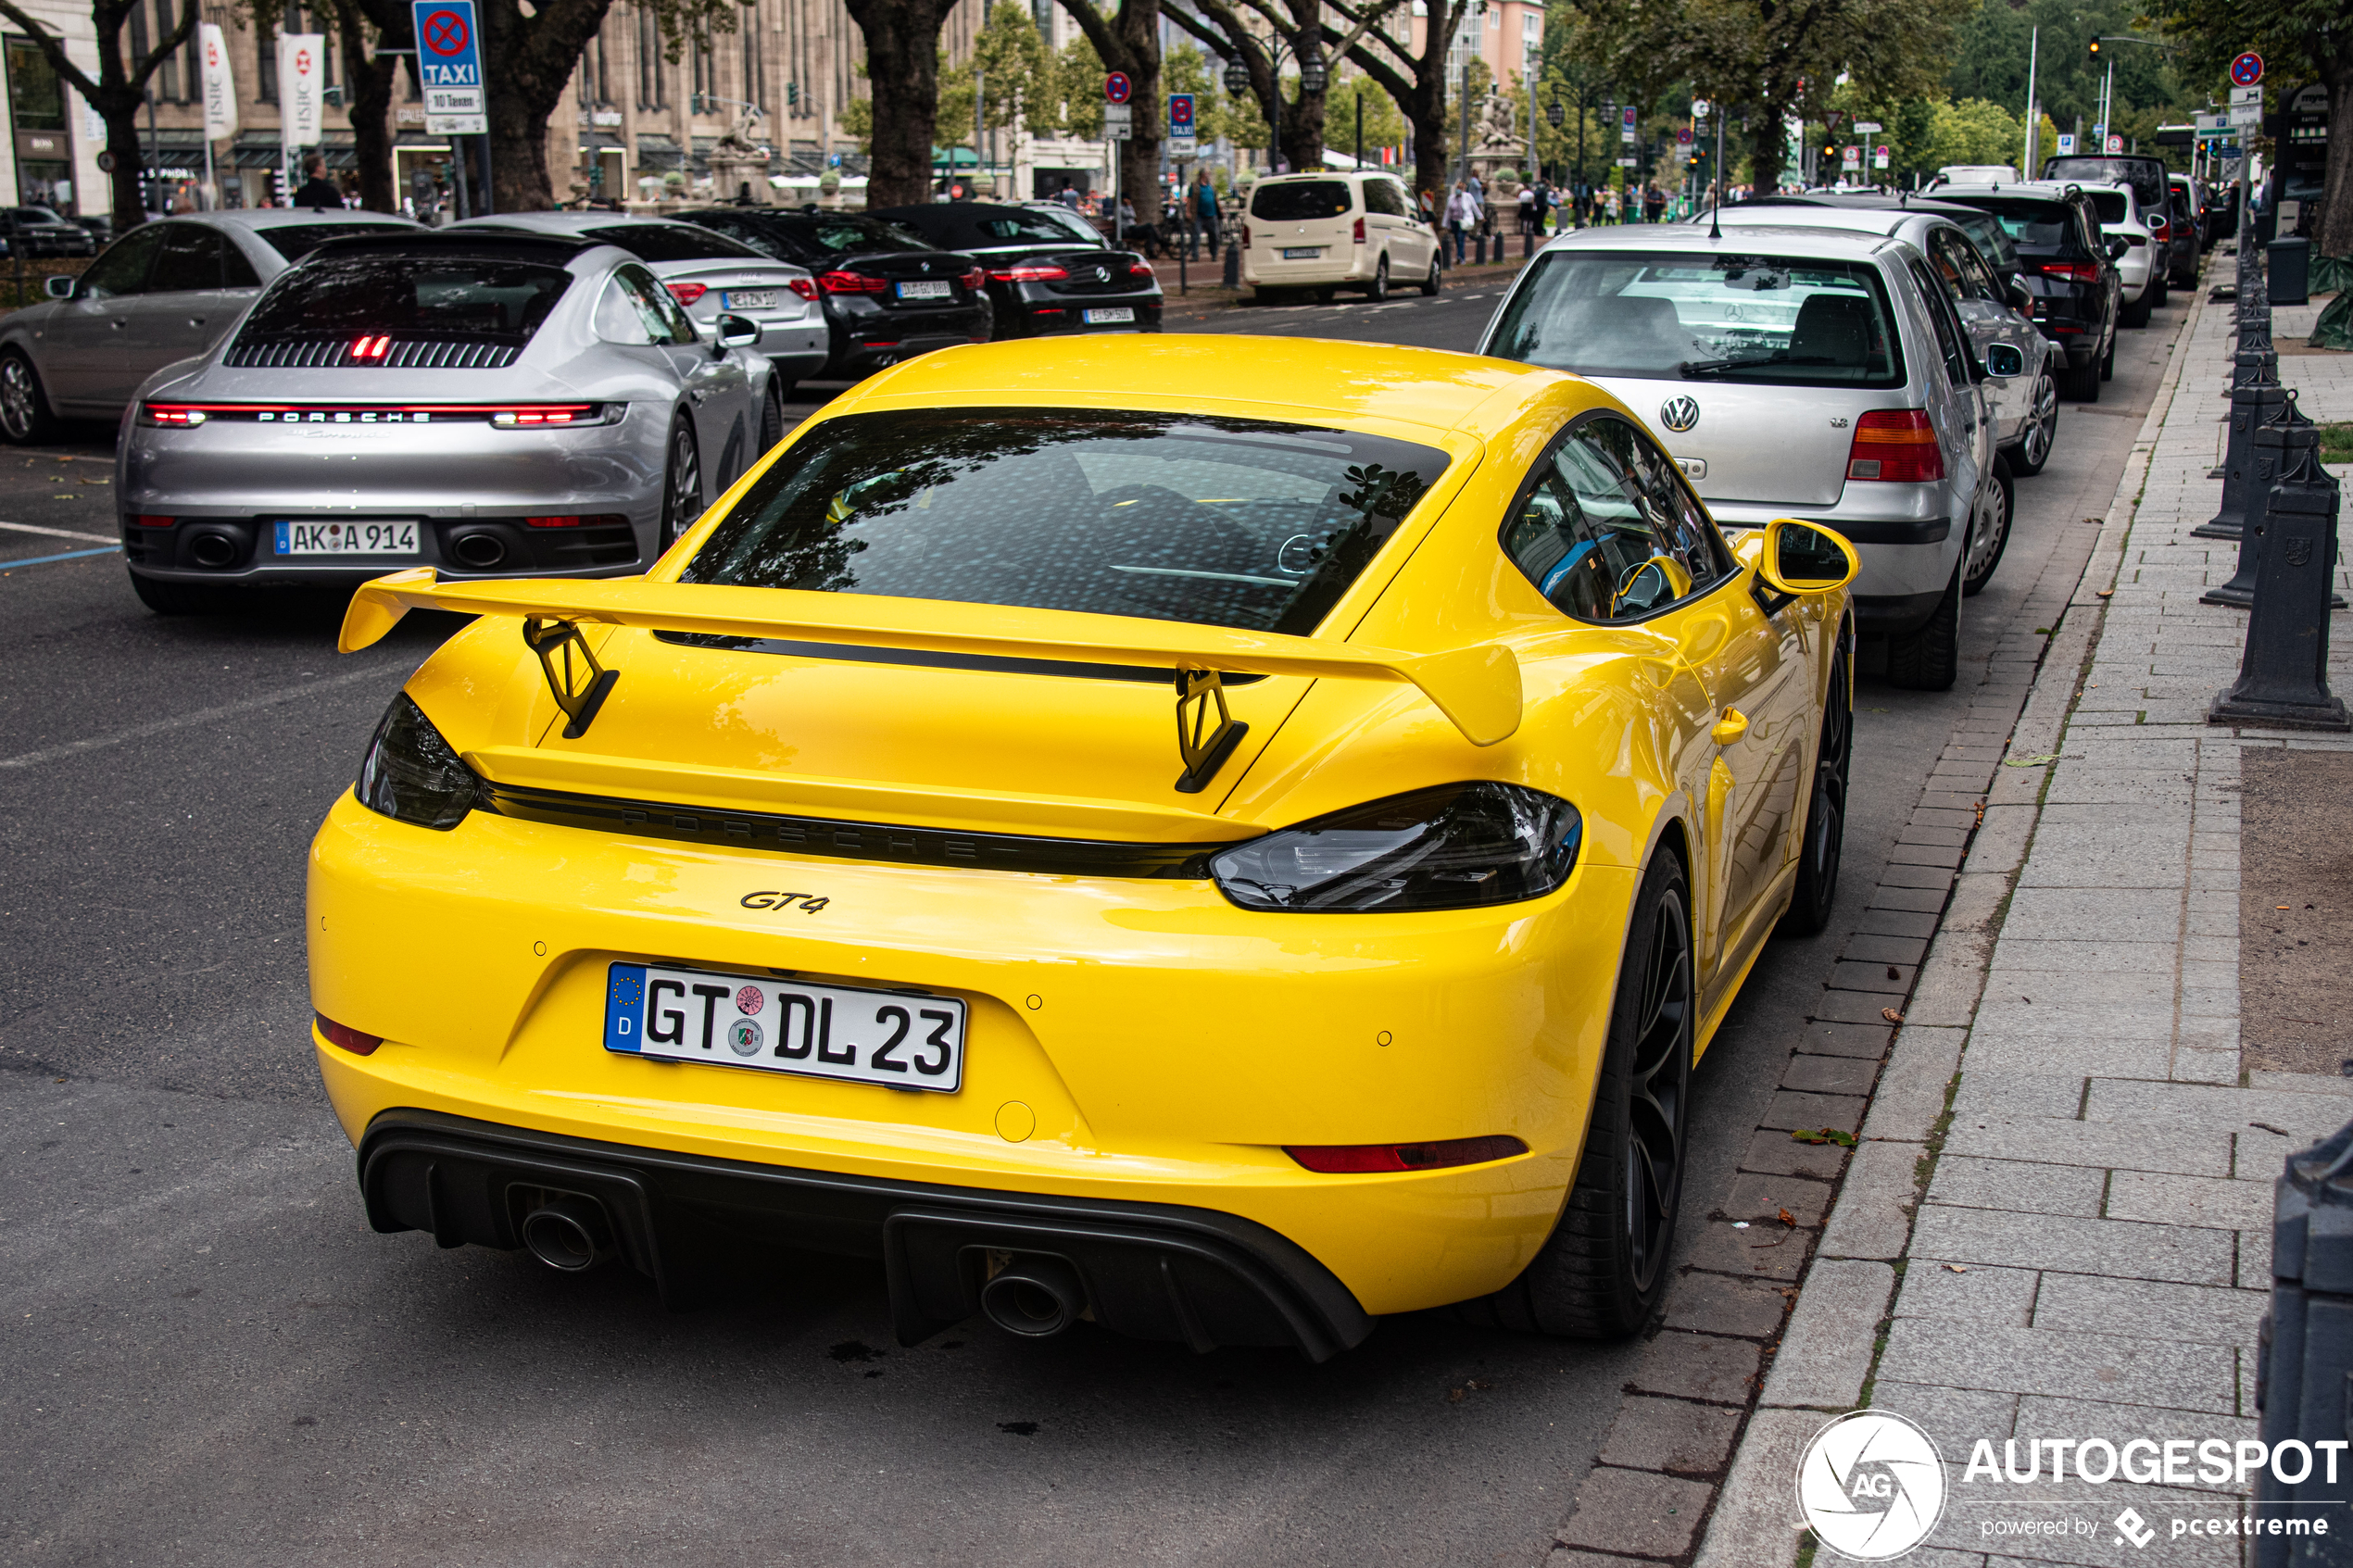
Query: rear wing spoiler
(1476, 688)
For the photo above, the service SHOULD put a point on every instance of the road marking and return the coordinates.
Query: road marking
(201, 716)
(60, 532)
(8, 563)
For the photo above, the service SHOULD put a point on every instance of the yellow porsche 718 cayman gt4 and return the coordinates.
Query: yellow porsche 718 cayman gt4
(1225, 837)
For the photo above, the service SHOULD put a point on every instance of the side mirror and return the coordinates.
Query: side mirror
(2020, 300)
(1805, 558)
(2117, 246)
(60, 285)
(738, 331)
(2003, 361)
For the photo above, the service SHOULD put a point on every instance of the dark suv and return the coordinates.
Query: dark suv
(37, 230)
(2067, 265)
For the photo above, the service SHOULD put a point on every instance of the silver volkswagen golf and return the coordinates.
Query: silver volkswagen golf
(487, 404)
(1814, 373)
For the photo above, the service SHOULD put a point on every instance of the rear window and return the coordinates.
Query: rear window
(1301, 200)
(2028, 221)
(2109, 205)
(960, 227)
(296, 241)
(844, 234)
(669, 242)
(1165, 517)
(1774, 319)
(414, 295)
(2145, 175)
(36, 215)
(1992, 239)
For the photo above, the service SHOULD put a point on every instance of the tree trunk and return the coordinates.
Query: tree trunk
(902, 69)
(117, 95)
(2335, 235)
(130, 162)
(1768, 150)
(1129, 42)
(531, 58)
(368, 103)
(1302, 132)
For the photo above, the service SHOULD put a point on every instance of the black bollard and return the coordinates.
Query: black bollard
(2305, 1357)
(1233, 279)
(2283, 678)
(2256, 400)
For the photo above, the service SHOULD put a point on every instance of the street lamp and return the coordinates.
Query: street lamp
(1236, 77)
(1556, 114)
(1312, 76)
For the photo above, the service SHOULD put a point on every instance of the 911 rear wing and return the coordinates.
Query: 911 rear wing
(1476, 688)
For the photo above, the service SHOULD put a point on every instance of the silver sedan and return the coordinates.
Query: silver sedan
(488, 404)
(163, 292)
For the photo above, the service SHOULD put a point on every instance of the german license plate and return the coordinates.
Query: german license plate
(906, 1040)
(937, 288)
(748, 299)
(346, 538)
(1104, 313)
(1302, 253)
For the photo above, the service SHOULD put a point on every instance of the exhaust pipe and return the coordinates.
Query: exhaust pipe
(213, 549)
(481, 550)
(1033, 1296)
(568, 1233)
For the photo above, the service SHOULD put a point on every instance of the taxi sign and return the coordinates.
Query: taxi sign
(449, 67)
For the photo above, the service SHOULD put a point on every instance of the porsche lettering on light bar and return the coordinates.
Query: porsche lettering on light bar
(504, 416)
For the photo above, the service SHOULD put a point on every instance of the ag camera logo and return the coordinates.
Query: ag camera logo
(1872, 1484)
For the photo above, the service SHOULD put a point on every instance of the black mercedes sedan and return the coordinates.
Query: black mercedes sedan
(890, 294)
(1042, 276)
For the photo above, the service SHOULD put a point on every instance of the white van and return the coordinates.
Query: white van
(1331, 232)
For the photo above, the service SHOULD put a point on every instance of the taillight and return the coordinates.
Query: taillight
(370, 347)
(1029, 272)
(805, 287)
(849, 283)
(977, 280)
(1358, 236)
(1896, 443)
(143, 520)
(166, 414)
(1144, 269)
(350, 1039)
(538, 415)
(2073, 271)
(594, 519)
(1245, 236)
(1360, 1159)
(686, 293)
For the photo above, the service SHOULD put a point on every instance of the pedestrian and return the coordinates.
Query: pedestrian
(1543, 205)
(1461, 213)
(317, 190)
(1653, 205)
(1205, 206)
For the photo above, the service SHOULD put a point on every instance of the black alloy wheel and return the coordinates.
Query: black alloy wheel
(24, 407)
(2042, 426)
(1825, 841)
(1989, 533)
(1431, 283)
(1602, 1272)
(681, 484)
(1378, 290)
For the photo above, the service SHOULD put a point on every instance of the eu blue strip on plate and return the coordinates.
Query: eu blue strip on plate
(625, 1006)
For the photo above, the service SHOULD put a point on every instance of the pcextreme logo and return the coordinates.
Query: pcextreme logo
(1872, 1484)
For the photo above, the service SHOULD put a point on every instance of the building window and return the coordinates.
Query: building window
(649, 60)
(265, 62)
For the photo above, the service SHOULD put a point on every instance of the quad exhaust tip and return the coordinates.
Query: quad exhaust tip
(213, 549)
(568, 1233)
(1033, 1296)
(482, 550)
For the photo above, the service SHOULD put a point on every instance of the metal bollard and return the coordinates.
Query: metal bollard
(2283, 677)
(2255, 399)
(2305, 1365)
(1233, 279)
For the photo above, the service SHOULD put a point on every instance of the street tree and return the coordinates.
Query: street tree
(1239, 30)
(1127, 40)
(2308, 39)
(1381, 44)
(1359, 114)
(119, 91)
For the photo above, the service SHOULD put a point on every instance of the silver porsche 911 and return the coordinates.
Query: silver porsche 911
(485, 403)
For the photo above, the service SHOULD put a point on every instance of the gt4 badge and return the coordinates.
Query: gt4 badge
(810, 903)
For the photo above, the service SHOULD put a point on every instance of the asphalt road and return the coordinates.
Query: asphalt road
(210, 1359)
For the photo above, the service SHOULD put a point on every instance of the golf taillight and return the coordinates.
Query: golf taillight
(1358, 236)
(1896, 443)
(686, 293)
(347, 1037)
(805, 287)
(849, 283)
(2073, 271)
(1365, 1159)
(1032, 272)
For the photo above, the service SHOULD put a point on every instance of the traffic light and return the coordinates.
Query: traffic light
(792, 94)
(2096, 50)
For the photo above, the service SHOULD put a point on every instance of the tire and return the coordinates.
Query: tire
(1928, 659)
(2163, 289)
(2084, 381)
(2034, 448)
(1601, 1272)
(1430, 285)
(2107, 360)
(184, 598)
(1324, 296)
(1378, 290)
(1824, 845)
(2137, 313)
(771, 420)
(24, 407)
(681, 483)
(1990, 523)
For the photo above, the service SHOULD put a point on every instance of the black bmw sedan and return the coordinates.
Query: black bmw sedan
(889, 295)
(1042, 276)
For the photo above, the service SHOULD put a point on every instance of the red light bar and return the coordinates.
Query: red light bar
(686, 293)
(1364, 1159)
(350, 1039)
(805, 287)
(372, 348)
(1031, 272)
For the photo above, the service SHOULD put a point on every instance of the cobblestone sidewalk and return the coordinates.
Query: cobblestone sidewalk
(2058, 1220)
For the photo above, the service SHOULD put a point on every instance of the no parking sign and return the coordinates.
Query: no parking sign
(449, 65)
